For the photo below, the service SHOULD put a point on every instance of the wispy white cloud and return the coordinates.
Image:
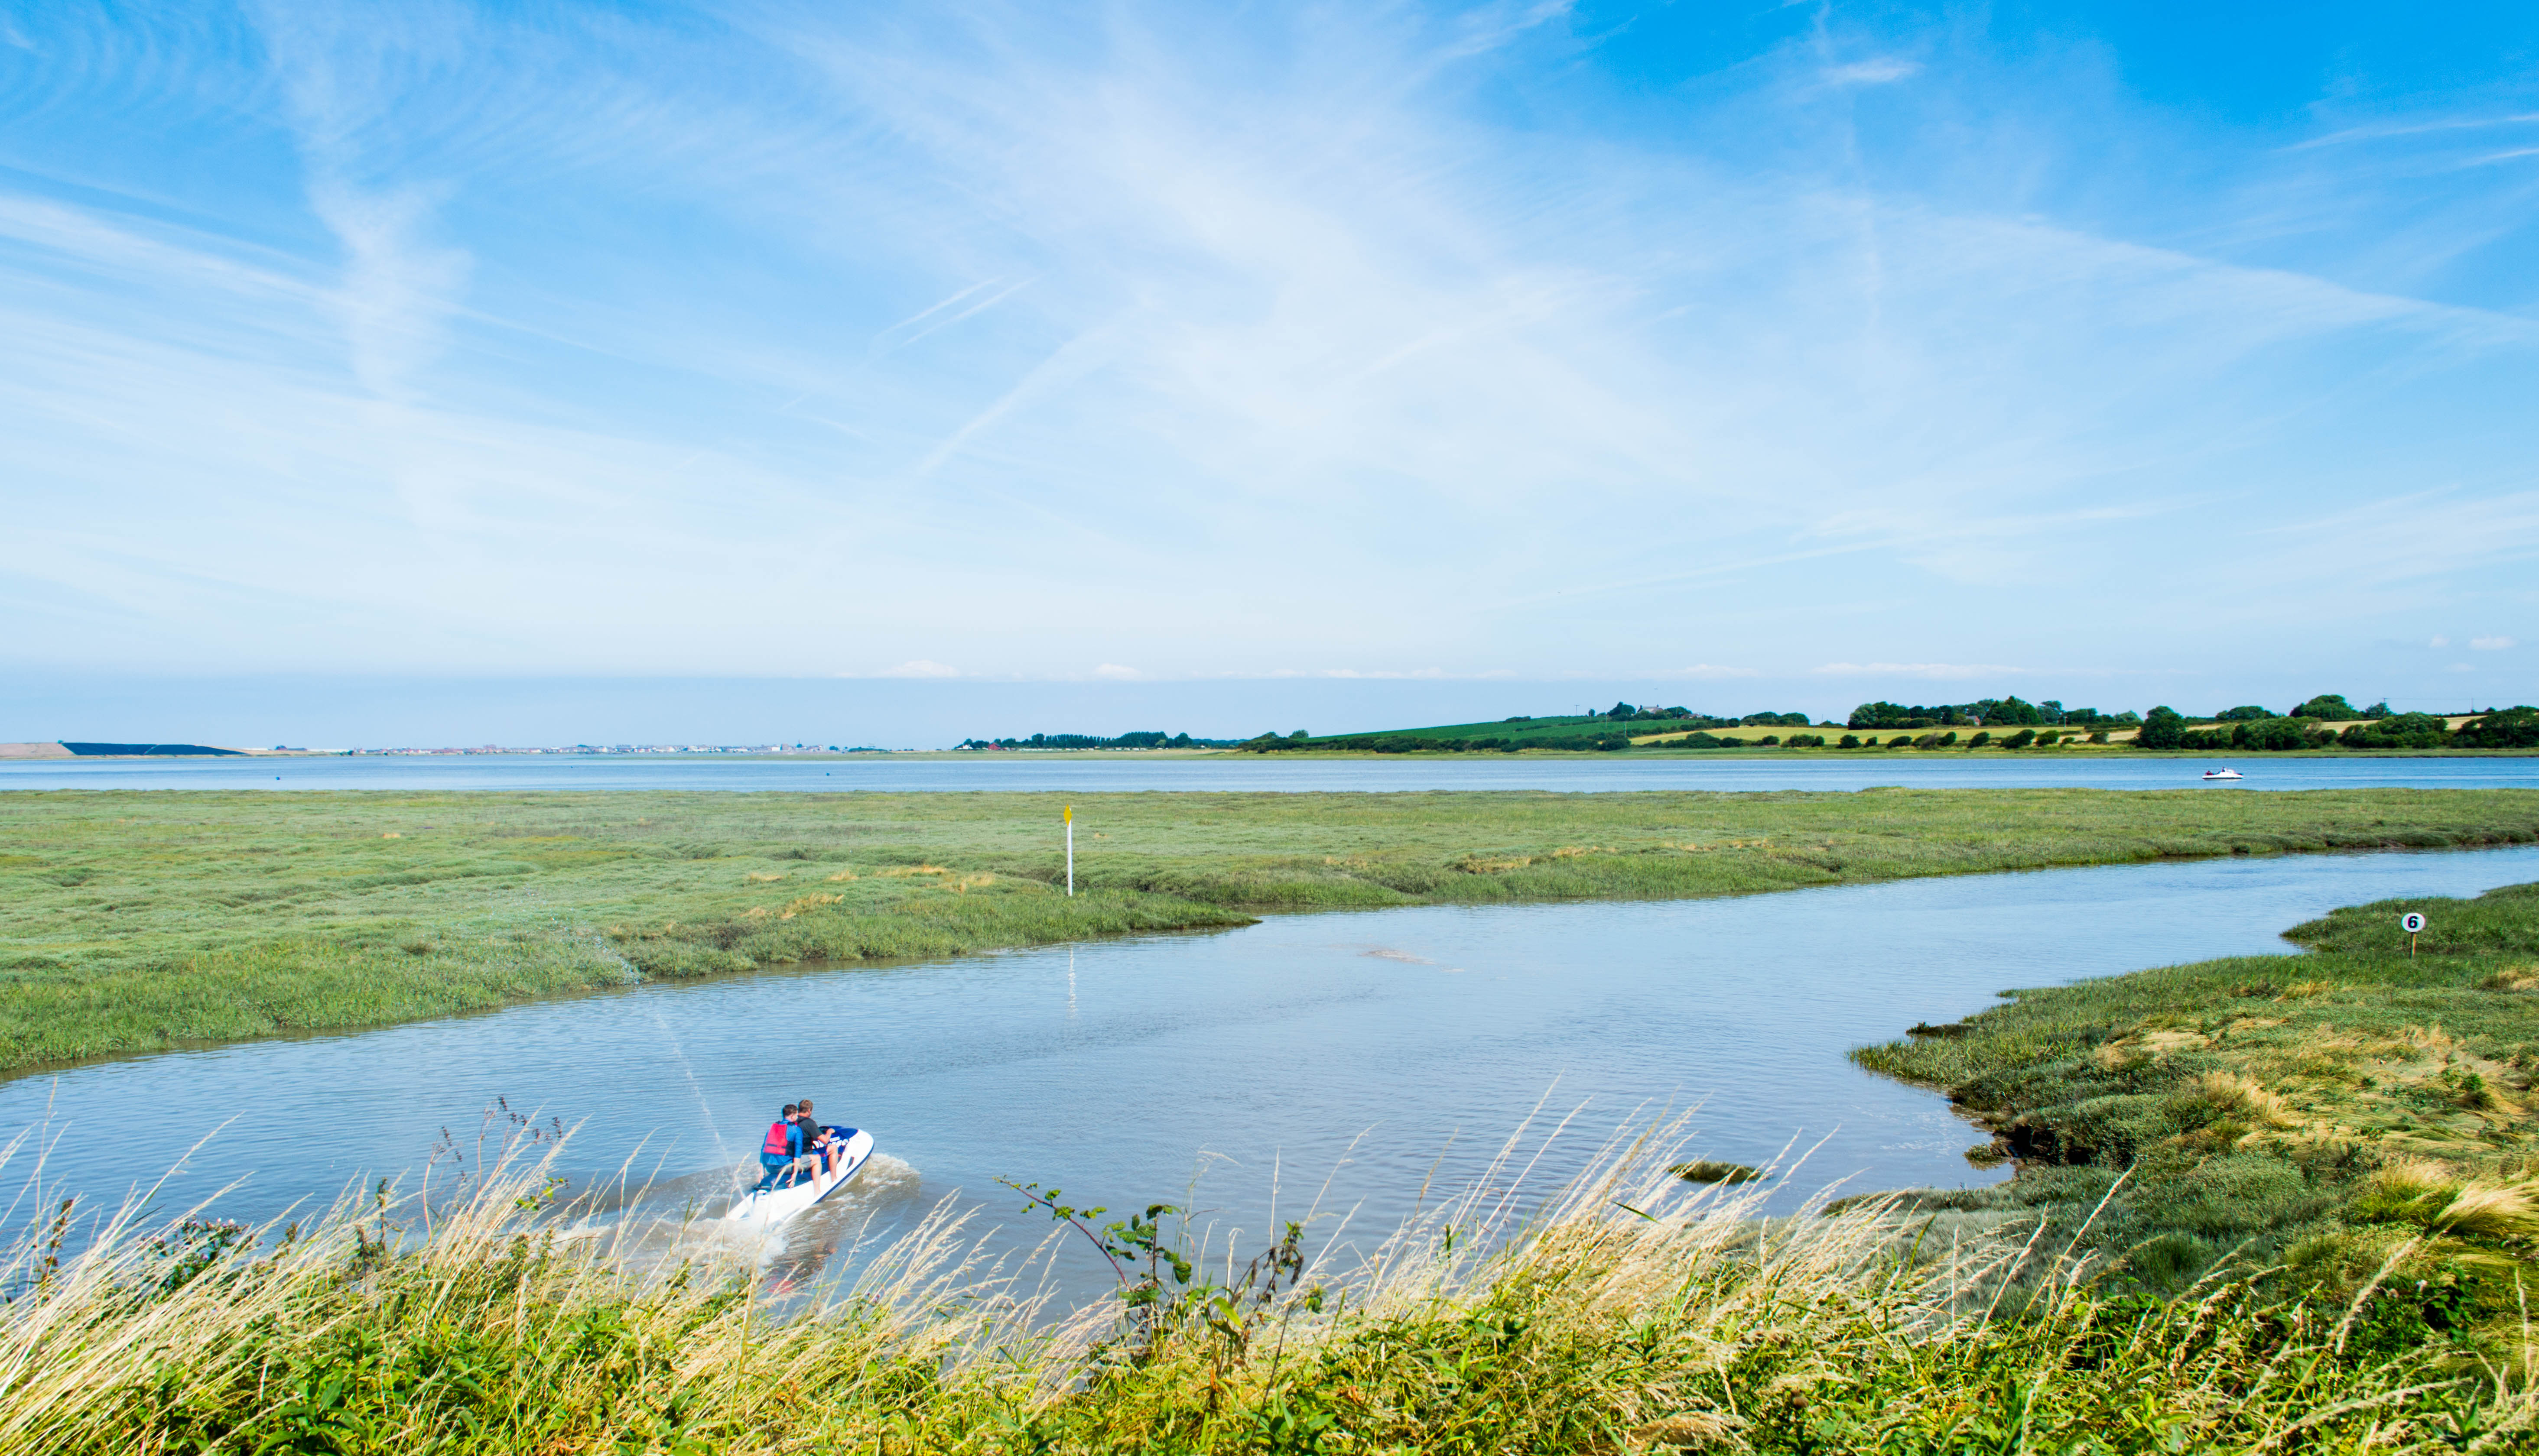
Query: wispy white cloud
(934, 319)
(2491, 644)
(1876, 71)
(1488, 27)
(2386, 130)
(128, 251)
(1070, 363)
(397, 290)
(2407, 538)
(920, 668)
(398, 287)
(1252, 339)
(1358, 674)
(1945, 672)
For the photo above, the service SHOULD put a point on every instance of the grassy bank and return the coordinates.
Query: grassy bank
(1634, 1313)
(2330, 1114)
(131, 922)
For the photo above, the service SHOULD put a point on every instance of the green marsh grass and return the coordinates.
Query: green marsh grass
(1711, 1170)
(135, 921)
(1628, 1312)
(2312, 1112)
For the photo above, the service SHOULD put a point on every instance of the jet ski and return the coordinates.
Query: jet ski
(800, 1187)
(2219, 775)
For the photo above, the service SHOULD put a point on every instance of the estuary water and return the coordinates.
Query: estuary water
(1376, 1050)
(1252, 773)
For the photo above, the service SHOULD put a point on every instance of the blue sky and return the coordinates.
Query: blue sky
(1776, 354)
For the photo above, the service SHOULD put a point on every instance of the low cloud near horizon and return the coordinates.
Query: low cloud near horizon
(1875, 348)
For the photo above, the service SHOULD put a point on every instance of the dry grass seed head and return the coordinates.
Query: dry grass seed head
(2244, 1094)
(2431, 1038)
(2486, 1210)
(1697, 1430)
(2414, 1177)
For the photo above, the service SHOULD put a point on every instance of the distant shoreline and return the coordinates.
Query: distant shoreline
(2117, 751)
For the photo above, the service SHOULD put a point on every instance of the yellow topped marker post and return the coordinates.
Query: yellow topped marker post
(1070, 851)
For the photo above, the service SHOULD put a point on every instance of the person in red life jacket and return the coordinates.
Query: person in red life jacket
(784, 1146)
(825, 1149)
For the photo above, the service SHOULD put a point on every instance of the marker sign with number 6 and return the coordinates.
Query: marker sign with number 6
(2412, 923)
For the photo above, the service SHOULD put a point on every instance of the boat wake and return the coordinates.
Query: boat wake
(885, 1182)
(797, 1253)
(674, 1220)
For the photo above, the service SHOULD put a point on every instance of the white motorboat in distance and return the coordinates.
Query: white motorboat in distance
(765, 1208)
(2221, 776)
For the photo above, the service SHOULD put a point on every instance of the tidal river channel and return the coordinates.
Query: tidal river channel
(1373, 1049)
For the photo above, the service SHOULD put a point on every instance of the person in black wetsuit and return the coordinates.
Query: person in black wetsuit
(816, 1140)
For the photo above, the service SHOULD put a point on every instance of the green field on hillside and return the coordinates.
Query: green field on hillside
(1604, 731)
(1523, 732)
(1625, 727)
(1521, 727)
(130, 921)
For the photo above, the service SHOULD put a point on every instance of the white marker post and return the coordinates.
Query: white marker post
(2413, 923)
(1070, 851)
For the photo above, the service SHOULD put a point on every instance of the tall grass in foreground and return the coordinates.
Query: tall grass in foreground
(1631, 1311)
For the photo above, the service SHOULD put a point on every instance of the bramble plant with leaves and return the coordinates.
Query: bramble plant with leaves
(1141, 1258)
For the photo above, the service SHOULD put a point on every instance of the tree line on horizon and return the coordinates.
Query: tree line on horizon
(2249, 727)
(1140, 739)
(2253, 728)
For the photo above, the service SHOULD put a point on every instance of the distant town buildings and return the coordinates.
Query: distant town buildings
(623, 748)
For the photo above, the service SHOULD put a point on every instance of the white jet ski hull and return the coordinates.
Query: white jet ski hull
(768, 1208)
